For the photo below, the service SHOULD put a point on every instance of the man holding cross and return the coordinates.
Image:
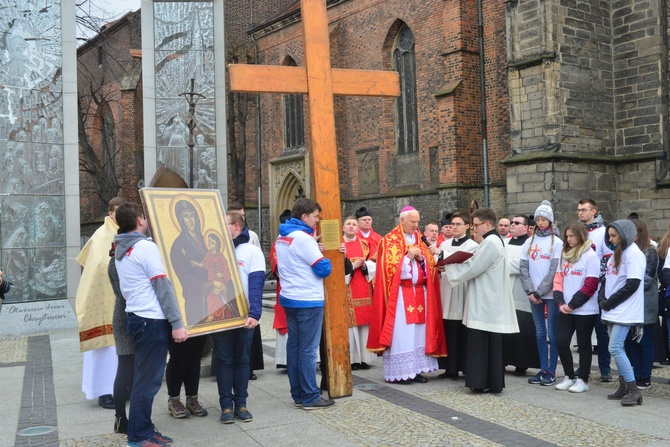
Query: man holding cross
(302, 268)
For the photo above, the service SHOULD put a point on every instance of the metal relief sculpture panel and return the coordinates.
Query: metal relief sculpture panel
(368, 171)
(32, 211)
(184, 50)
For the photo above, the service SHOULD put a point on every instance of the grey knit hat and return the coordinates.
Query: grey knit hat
(627, 231)
(544, 210)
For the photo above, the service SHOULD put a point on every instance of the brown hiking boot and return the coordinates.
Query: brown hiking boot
(176, 408)
(194, 407)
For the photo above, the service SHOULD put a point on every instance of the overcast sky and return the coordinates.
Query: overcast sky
(105, 10)
(119, 7)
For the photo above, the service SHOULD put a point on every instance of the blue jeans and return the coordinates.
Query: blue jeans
(548, 355)
(304, 333)
(618, 333)
(604, 357)
(642, 353)
(233, 349)
(151, 347)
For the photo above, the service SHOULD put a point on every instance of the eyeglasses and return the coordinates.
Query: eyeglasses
(475, 225)
(583, 210)
(514, 222)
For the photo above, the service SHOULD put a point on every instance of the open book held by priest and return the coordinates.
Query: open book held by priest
(455, 258)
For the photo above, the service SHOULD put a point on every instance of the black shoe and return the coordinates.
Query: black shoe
(419, 379)
(448, 375)
(520, 371)
(106, 401)
(365, 365)
(252, 376)
(643, 384)
(319, 404)
(400, 382)
(485, 391)
(355, 366)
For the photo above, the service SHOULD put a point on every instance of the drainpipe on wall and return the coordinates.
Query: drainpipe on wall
(482, 89)
(258, 149)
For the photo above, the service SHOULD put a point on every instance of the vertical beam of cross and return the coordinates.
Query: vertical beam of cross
(320, 82)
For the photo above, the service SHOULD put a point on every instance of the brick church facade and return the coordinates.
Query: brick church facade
(432, 160)
(575, 97)
(575, 100)
(110, 106)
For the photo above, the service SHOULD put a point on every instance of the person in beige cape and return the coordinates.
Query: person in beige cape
(489, 305)
(95, 309)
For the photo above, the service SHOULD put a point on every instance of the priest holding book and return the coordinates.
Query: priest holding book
(453, 299)
(489, 307)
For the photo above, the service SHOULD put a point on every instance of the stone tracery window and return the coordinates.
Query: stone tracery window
(294, 120)
(406, 114)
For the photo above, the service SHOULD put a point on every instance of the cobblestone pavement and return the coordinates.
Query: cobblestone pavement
(40, 381)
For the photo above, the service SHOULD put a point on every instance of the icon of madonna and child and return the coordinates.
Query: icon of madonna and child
(201, 265)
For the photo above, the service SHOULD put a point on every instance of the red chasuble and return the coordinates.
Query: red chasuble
(359, 293)
(392, 249)
(279, 322)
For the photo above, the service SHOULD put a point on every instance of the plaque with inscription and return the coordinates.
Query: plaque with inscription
(368, 171)
(331, 234)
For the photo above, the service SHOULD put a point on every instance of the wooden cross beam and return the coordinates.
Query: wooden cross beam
(320, 82)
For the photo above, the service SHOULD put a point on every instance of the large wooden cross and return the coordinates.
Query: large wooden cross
(320, 82)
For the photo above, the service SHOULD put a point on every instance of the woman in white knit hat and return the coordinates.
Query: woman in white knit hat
(540, 256)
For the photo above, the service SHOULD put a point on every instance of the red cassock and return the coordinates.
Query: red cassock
(279, 322)
(392, 249)
(359, 293)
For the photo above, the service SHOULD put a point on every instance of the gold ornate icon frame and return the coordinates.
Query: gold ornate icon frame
(186, 225)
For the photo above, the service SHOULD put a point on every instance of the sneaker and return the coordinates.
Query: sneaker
(194, 407)
(605, 378)
(243, 415)
(548, 379)
(565, 384)
(146, 443)
(227, 417)
(643, 384)
(176, 408)
(297, 404)
(579, 387)
(321, 403)
(537, 378)
(159, 437)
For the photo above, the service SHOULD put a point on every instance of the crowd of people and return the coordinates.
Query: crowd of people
(518, 298)
(470, 295)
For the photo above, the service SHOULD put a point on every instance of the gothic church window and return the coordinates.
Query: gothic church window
(294, 121)
(108, 140)
(406, 115)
